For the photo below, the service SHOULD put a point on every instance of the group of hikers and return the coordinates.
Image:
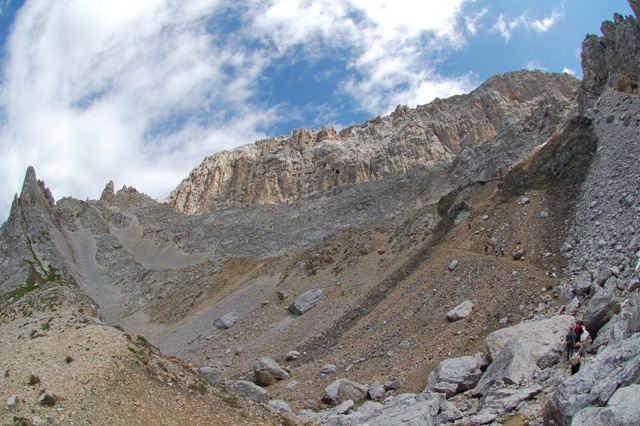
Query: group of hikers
(576, 339)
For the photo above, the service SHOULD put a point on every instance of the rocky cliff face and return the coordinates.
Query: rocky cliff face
(483, 131)
(613, 60)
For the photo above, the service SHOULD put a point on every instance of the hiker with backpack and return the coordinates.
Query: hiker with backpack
(576, 338)
(576, 361)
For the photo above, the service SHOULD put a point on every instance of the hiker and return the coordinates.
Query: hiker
(576, 361)
(486, 248)
(582, 335)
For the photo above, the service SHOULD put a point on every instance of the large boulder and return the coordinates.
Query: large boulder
(460, 311)
(267, 371)
(595, 315)
(614, 367)
(212, 375)
(250, 390)
(621, 410)
(306, 301)
(454, 375)
(226, 321)
(544, 339)
(513, 365)
(622, 325)
(342, 390)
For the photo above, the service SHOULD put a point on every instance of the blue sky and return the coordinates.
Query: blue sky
(140, 91)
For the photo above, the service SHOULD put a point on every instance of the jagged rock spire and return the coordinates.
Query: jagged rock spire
(108, 193)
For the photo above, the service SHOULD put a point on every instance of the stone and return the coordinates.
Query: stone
(518, 254)
(622, 325)
(603, 276)
(344, 407)
(582, 285)
(12, 402)
(225, 322)
(621, 409)
(250, 390)
(596, 312)
(328, 369)
(454, 375)
(280, 405)
(376, 391)
(461, 311)
(513, 365)
(342, 390)
(395, 384)
(453, 265)
(306, 302)
(524, 201)
(267, 371)
(46, 400)
(615, 366)
(212, 375)
(544, 339)
(505, 400)
(292, 355)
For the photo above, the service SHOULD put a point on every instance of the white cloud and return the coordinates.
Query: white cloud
(569, 71)
(393, 45)
(506, 26)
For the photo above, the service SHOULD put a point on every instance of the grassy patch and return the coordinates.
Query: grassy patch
(33, 380)
(229, 398)
(200, 387)
(20, 291)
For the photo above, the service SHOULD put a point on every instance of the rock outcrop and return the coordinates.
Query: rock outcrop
(611, 61)
(478, 133)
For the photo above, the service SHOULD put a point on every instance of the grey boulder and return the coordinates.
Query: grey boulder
(267, 371)
(595, 315)
(212, 375)
(306, 301)
(621, 410)
(513, 366)
(250, 390)
(461, 311)
(454, 375)
(226, 321)
(544, 339)
(342, 390)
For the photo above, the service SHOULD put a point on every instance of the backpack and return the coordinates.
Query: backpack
(571, 338)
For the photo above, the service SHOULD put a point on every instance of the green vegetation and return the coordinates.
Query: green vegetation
(52, 274)
(228, 397)
(33, 380)
(20, 291)
(200, 387)
(68, 359)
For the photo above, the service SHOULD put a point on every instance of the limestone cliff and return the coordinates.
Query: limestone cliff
(509, 114)
(612, 60)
